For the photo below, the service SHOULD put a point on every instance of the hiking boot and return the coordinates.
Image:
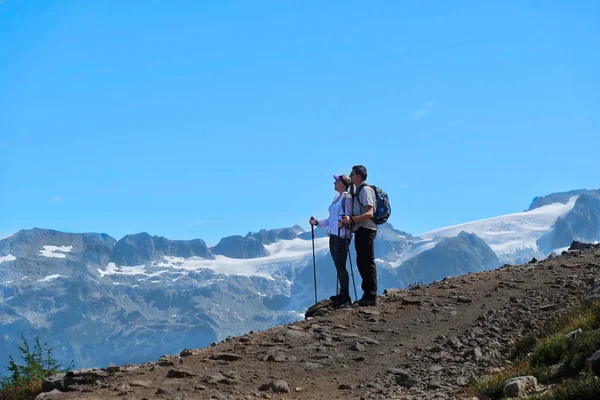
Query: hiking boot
(367, 302)
(342, 299)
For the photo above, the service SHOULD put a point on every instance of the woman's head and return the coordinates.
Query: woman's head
(342, 182)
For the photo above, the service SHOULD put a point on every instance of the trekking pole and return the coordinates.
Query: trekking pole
(338, 272)
(351, 268)
(312, 228)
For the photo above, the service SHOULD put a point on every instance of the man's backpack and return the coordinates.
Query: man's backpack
(383, 210)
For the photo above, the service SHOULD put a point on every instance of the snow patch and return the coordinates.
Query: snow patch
(284, 251)
(50, 278)
(113, 269)
(508, 234)
(51, 251)
(9, 257)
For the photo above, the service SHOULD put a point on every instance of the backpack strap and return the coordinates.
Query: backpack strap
(358, 198)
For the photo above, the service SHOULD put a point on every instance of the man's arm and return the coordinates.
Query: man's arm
(367, 215)
(368, 201)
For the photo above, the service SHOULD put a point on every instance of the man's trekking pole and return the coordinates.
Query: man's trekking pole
(312, 227)
(351, 268)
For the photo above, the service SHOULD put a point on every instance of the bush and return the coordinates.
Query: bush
(554, 356)
(491, 387)
(25, 381)
(587, 387)
(549, 351)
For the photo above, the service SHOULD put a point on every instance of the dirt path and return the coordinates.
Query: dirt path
(423, 343)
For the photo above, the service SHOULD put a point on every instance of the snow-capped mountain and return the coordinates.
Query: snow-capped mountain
(99, 301)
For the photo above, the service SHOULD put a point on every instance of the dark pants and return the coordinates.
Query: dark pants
(364, 242)
(339, 251)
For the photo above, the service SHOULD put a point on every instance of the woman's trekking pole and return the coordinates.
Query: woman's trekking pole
(338, 272)
(312, 228)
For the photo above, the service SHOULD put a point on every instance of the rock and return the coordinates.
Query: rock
(573, 334)
(323, 307)
(276, 386)
(576, 245)
(123, 387)
(518, 387)
(463, 299)
(434, 385)
(358, 347)
(186, 353)
(476, 354)
(176, 374)
(370, 313)
(275, 357)
(291, 333)
(462, 381)
(200, 387)
(407, 382)
(454, 342)
(533, 260)
(112, 370)
(56, 381)
(368, 340)
(344, 386)
(226, 357)
(436, 368)
(593, 362)
(595, 293)
(215, 378)
(399, 372)
(411, 302)
(144, 384)
(53, 394)
(548, 307)
(437, 349)
(162, 391)
(552, 256)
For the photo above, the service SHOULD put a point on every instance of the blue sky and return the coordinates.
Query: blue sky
(210, 118)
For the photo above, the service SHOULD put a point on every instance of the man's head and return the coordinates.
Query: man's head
(358, 174)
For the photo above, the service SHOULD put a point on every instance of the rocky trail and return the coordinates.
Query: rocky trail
(422, 343)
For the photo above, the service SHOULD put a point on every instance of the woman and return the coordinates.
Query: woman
(339, 236)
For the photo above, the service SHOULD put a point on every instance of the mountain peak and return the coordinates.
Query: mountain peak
(559, 197)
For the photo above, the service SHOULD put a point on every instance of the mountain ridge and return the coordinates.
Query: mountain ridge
(179, 293)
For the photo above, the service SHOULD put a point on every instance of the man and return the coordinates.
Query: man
(365, 230)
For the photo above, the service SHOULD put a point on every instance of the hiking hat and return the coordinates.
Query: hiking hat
(345, 179)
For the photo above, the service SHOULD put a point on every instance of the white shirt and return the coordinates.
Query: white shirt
(336, 210)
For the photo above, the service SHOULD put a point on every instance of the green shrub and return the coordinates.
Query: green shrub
(549, 351)
(25, 381)
(579, 349)
(587, 387)
(491, 387)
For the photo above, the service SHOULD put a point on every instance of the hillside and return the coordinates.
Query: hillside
(420, 343)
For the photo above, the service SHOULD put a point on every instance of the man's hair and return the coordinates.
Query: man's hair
(360, 170)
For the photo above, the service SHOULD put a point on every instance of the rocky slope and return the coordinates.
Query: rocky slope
(422, 343)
